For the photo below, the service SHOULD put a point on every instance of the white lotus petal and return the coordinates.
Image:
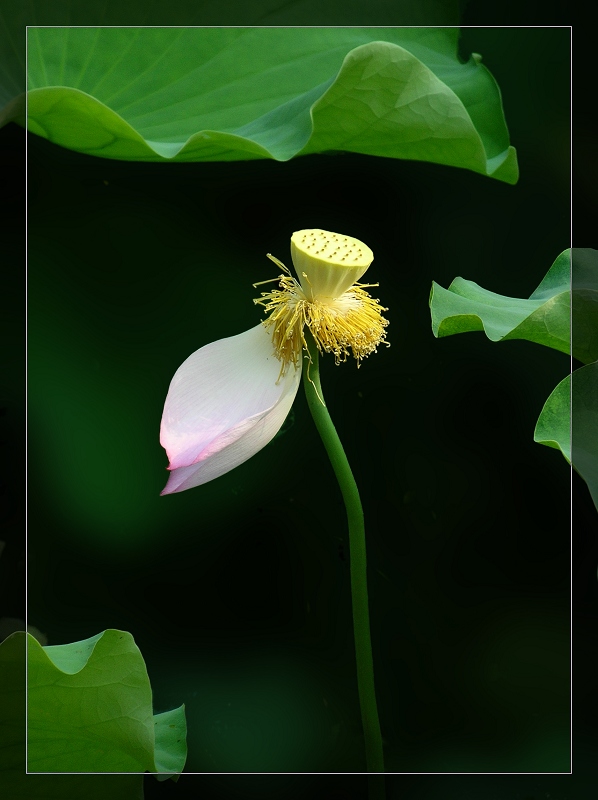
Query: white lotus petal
(223, 406)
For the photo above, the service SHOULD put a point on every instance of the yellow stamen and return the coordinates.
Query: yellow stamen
(341, 316)
(352, 323)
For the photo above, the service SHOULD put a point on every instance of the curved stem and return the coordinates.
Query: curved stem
(357, 558)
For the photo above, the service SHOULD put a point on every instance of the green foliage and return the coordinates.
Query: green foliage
(556, 423)
(14, 782)
(584, 311)
(90, 710)
(543, 318)
(568, 294)
(224, 94)
(553, 427)
(584, 446)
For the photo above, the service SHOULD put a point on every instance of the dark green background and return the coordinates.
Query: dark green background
(131, 268)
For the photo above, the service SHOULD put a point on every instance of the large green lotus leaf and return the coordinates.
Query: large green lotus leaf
(553, 427)
(16, 15)
(567, 299)
(544, 318)
(191, 94)
(90, 710)
(556, 423)
(15, 784)
(584, 447)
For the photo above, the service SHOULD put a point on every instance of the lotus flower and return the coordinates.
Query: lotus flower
(231, 397)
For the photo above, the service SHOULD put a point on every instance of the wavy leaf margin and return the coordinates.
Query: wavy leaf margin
(90, 710)
(402, 95)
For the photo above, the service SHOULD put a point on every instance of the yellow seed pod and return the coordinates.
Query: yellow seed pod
(328, 264)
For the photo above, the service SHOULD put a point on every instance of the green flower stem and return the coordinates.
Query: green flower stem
(357, 557)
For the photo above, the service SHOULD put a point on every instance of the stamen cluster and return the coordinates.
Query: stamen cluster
(350, 324)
